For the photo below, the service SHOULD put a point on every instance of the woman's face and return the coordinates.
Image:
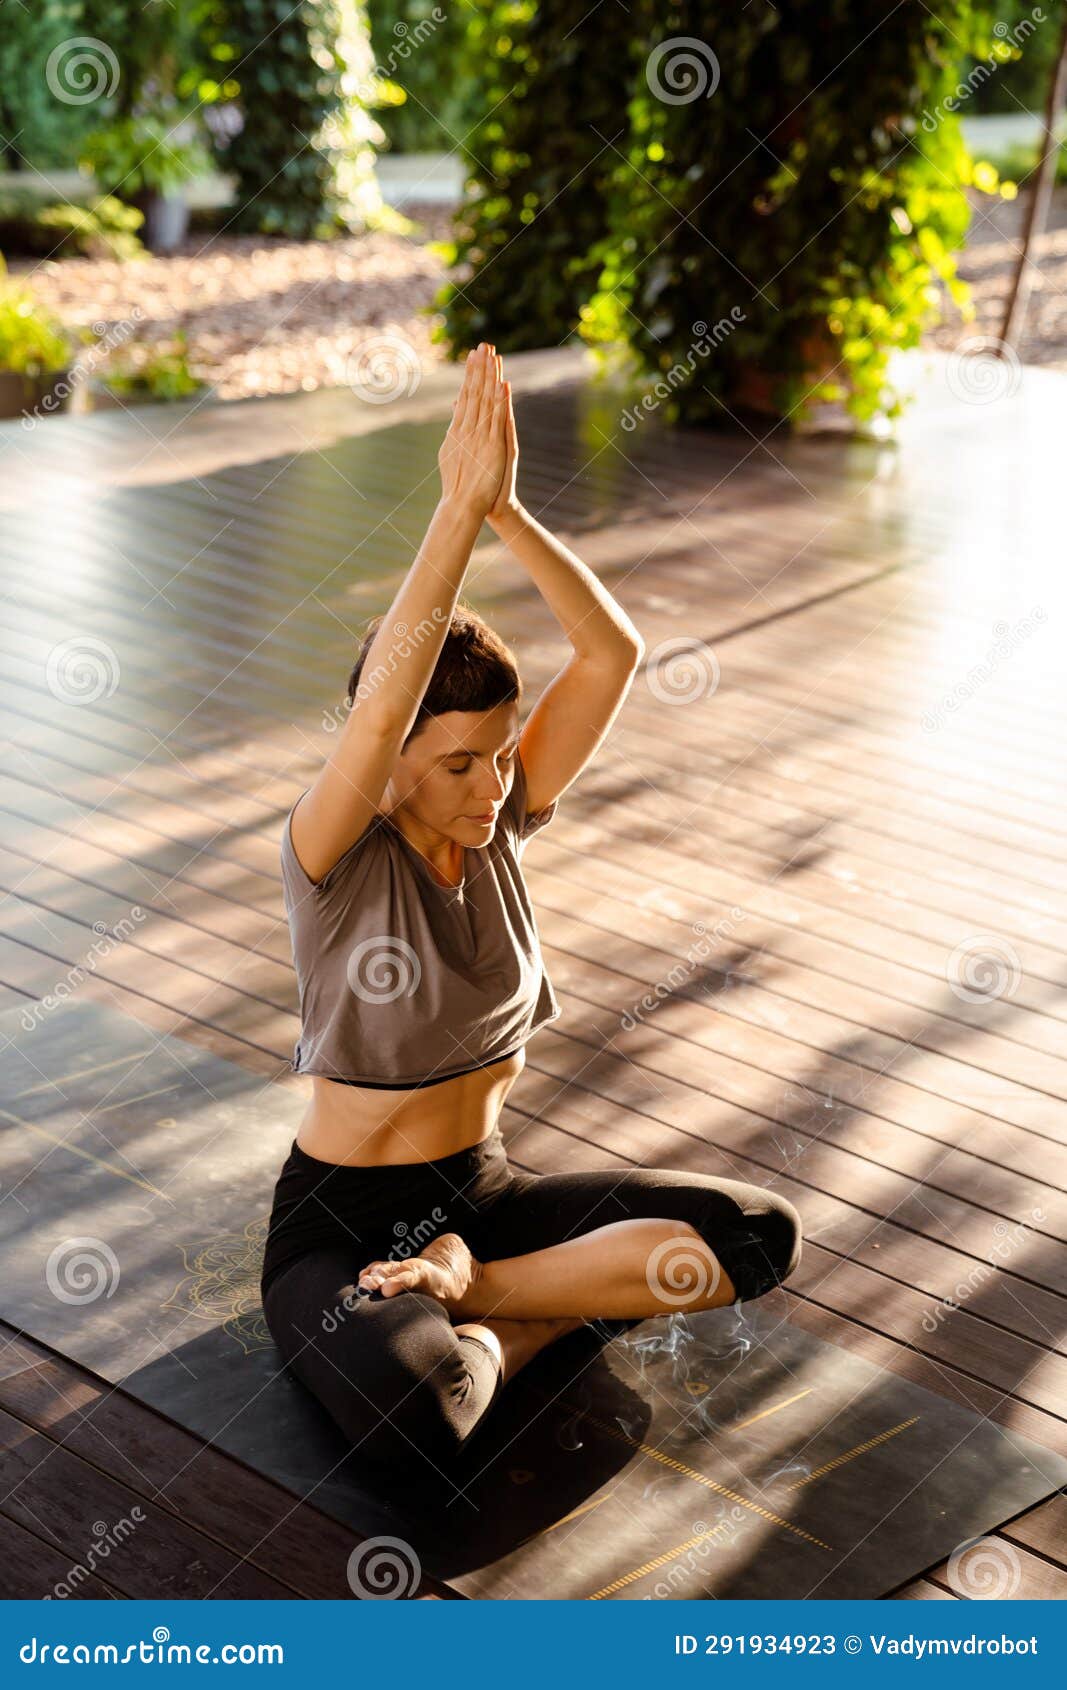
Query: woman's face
(458, 770)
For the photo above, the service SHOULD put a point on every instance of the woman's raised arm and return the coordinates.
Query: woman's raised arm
(341, 803)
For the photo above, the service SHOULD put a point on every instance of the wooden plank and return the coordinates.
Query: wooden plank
(1009, 1572)
(758, 791)
(59, 919)
(159, 1017)
(963, 1158)
(251, 1517)
(972, 1346)
(1010, 1081)
(35, 961)
(819, 1046)
(59, 872)
(33, 1570)
(921, 1590)
(951, 1252)
(49, 1489)
(1042, 1529)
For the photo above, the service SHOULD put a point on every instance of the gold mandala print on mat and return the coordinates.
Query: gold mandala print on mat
(222, 1284)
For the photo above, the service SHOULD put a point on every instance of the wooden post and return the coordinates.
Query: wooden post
(1040, 193)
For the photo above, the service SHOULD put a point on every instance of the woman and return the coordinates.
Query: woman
(410, 1270)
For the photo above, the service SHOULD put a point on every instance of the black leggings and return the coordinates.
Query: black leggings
(391, 1371)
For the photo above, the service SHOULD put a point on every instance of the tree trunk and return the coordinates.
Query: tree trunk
(1040, 193)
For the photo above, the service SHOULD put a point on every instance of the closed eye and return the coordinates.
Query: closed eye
(509, 758)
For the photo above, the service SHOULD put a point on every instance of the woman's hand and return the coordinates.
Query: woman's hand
(507, 499)
(473, 456)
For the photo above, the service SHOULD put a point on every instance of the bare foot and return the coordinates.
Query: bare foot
(445, 1270)
(518, 1341)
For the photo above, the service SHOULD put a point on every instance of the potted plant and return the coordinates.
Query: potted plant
(148, 158)
(34, 353)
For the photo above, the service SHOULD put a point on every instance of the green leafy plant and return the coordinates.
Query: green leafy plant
(789, 193)
(427, 101)
(167, 50)
(154, 373)
(539, 166)
(99, 227)
(146, 152)
(304, 159)
(801, 185)
(32, 342)
(1023, 52)
(112, 55)
(35, 127)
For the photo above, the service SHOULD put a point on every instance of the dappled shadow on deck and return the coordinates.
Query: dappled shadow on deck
(785, 797)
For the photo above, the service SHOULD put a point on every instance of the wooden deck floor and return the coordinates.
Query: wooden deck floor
(840, 763)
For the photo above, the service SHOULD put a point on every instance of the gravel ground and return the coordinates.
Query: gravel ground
(267, 317)
(988, 264)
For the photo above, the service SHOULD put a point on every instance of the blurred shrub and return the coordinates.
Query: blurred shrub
(146, 152)
(69, 66)
(304, 158)
(32, 341)
(158, 372)
(539, 163)
(34, 126)
(1023, 57)
(429, 104)
(771, 212)
(802, 169)
(101, 227)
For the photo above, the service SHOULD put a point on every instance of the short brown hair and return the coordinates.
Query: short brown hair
(475, 670)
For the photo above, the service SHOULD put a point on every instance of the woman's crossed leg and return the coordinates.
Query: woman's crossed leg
(402, 1365)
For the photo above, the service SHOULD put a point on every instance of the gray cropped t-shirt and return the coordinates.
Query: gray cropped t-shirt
(404, 982)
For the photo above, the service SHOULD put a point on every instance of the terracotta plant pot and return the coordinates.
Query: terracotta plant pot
(39, 396)
(755, 389)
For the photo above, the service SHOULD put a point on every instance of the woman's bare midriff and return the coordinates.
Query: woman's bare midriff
(371, 1128)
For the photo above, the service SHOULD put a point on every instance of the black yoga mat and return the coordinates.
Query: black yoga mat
(725, 1454)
